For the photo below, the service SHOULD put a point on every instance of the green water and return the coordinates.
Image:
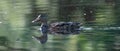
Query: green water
(100, 19)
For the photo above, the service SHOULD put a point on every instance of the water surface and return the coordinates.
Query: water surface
(100, 30)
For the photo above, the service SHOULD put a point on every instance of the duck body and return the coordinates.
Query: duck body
(63, 28)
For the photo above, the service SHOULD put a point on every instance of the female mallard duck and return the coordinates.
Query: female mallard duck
(55, 28)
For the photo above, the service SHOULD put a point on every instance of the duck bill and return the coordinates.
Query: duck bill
(37, 19)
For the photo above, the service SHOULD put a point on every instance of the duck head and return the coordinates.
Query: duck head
(41, 18)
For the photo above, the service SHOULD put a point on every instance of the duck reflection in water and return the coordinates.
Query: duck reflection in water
(63, 28)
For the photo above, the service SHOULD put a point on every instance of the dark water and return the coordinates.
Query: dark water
(100, 30)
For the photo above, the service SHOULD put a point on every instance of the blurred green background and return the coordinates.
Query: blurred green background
(103, 16)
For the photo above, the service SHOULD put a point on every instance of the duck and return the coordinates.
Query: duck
(64, 28)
